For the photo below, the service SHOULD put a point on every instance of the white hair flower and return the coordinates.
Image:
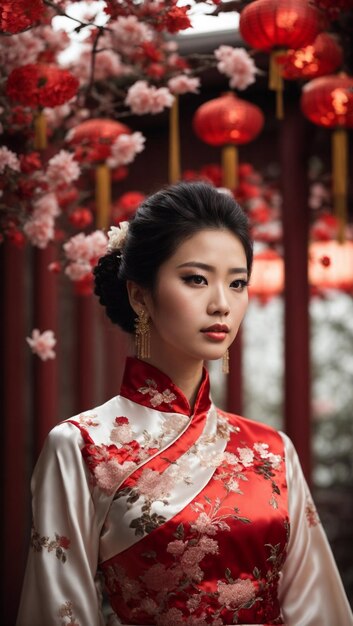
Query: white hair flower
(117, 236)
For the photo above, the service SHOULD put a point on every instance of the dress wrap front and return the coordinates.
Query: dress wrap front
(196, 518)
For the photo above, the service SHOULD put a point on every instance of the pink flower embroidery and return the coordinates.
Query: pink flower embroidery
(311, 514)
(149, 606)
(203, 524)
(177, 547)
(172, 617)
(122, 434)
(158, 578)
(109, 474)
(157, 397)
(42, 344)
(154, 486)
(193, 603)
(246, 456)
(233, 595)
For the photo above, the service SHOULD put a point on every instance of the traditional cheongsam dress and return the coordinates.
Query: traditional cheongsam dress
(185, 519)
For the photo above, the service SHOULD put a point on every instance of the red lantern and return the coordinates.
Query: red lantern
(126, 206)
(267, 277)
(328, 102)
(322, 57)
(39, 85)
(331, 265)
(92, 141)
(228, 121)
(272, 25)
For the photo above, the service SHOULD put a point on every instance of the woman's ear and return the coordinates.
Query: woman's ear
(137, 296)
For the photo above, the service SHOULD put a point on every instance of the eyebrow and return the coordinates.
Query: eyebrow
(210, 268)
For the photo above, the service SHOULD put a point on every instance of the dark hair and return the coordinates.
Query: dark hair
(161, 223)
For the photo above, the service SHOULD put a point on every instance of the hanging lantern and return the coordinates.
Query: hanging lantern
(228, 121)
(267, 276)
(39, 85)
(328, 102)
(275, 25)
(322, 57)
(331, 265)
(92, 141)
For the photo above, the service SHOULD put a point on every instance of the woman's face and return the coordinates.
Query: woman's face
(200, 297)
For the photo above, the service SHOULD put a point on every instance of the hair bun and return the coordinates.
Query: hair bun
(112, 292)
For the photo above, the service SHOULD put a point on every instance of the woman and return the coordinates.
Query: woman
(189, 515)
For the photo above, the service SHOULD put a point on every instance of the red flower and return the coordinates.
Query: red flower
(18, 15)
(121, 420)
(66, 196)
(84, 287)
(177, 19)
(81, 217)
(30, 162)
(64, 542)
(325, 261)
(40, 85)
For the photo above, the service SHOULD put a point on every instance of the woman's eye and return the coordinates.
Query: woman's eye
(195, 279)
(239, 284)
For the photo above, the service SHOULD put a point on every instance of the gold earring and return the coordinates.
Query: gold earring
(225, 362)
(142, 335)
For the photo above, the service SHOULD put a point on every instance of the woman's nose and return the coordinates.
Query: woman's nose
(218, 304)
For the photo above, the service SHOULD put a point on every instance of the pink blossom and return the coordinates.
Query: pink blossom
(183, 84)
(62, 169)
(233, 595)
(40, 230)
(8, 159)
(107, 64)
(86, 247)
(208, 546)
(128, 32)
(42, 344)
(189, 563)
(142, 98)
(153, 485)
(125, 148)
(78, 270)
(246, 456)
(46, 205)
(19, 47)
(194, 602)
(237, 65)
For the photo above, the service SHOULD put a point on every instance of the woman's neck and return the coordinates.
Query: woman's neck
(186, 376)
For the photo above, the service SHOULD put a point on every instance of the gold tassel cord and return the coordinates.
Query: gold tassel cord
(225, 362)
(230, 166)
(103, 195)
(174, 142)
(142, 336)
(339, 179)
(40, 131)
(275, 82)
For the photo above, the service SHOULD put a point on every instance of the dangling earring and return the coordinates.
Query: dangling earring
(142, 335)
(225, 362)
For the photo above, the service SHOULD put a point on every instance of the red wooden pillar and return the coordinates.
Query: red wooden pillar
(116, 348)
(85, 357)
(294, 168)
(14, 429)
(235, 377)
(45, 317)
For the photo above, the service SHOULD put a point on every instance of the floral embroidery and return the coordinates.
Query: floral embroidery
(157, 397)
(59, 544)
(311, 514)
(122, 432)
(66, 612)
(88, 420)
(231, 468)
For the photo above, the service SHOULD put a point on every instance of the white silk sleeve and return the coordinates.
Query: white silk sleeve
(311, 592)
(59, 586)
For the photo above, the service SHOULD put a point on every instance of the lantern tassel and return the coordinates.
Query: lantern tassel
(40, 131)
(174, 142)
(230, 166)
(103, 195)
(339, 179)
(275, 82)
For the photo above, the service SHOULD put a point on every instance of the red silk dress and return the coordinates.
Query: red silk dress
(184, 519)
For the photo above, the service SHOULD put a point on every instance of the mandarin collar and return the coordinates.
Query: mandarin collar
(147, 385)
